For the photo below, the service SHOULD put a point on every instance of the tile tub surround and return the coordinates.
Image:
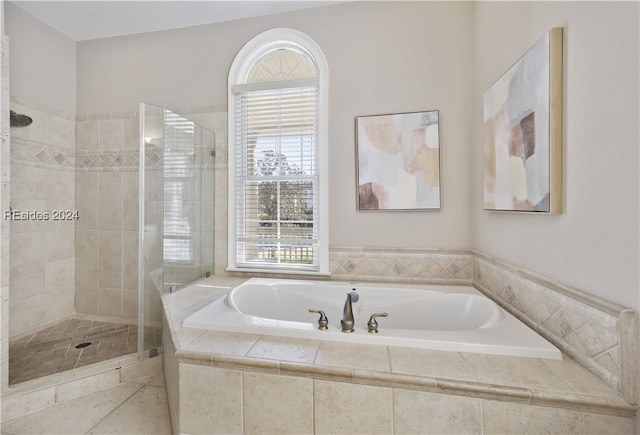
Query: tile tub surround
(389, 388)
(600, 335)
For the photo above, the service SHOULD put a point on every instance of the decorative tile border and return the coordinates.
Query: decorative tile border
(202, 158)
(416, 266)
(200, 110)
(125, 159)
(598, 334)
(221, 157)
(28, 153)
(128, 159)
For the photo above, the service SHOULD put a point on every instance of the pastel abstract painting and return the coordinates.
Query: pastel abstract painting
(522, 132)
(398, 161)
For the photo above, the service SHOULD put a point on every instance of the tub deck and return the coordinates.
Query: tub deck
(532, 381)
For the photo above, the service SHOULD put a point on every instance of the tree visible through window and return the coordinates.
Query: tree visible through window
(285, 206)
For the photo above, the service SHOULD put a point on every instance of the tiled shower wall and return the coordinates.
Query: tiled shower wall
(107, 180)
(42, 251)
(107, 201)
(88, 164)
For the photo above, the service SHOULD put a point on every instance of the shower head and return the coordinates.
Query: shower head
(18, 120)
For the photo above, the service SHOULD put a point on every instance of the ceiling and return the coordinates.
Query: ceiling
(92, 19)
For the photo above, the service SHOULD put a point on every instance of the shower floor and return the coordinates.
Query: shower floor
(63, 346)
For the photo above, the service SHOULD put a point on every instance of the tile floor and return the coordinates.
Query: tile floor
(129, 408)
(54, 349)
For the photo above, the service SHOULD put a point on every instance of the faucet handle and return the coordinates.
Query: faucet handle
(323, 322)
(372, 325)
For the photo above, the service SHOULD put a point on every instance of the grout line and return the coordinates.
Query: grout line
(242, 419)
(141, 387)
(313, 405)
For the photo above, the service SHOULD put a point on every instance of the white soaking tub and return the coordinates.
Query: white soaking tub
(450, 318)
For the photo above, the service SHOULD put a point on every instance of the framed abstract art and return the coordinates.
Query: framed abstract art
(398, 161)
(523, 132)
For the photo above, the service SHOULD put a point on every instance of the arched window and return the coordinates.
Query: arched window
(278, 217)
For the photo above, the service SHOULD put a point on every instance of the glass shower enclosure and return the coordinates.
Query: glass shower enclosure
(176, 235)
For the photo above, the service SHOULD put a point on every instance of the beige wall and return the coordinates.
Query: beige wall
(43, 61)
(383, 57)
(593, 245)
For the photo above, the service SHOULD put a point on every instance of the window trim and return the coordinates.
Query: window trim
(238, 73)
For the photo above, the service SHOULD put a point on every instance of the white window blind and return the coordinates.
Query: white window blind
(277, 175)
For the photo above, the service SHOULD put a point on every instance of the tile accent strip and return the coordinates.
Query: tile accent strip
(107, 160)
(28, 153)
(600, 335)
(413, 266)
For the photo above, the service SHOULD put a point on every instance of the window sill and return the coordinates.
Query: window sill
(278, 271)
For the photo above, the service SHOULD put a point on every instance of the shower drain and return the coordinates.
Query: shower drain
(83, 345)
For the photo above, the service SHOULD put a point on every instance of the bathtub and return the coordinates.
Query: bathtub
(450, 318)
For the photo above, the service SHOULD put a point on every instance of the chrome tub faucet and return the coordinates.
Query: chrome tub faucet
(347, 321)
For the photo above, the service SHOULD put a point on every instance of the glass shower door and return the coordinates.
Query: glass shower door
(188, 196)
(176, 212)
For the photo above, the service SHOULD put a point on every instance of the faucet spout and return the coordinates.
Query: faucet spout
(347, 321)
